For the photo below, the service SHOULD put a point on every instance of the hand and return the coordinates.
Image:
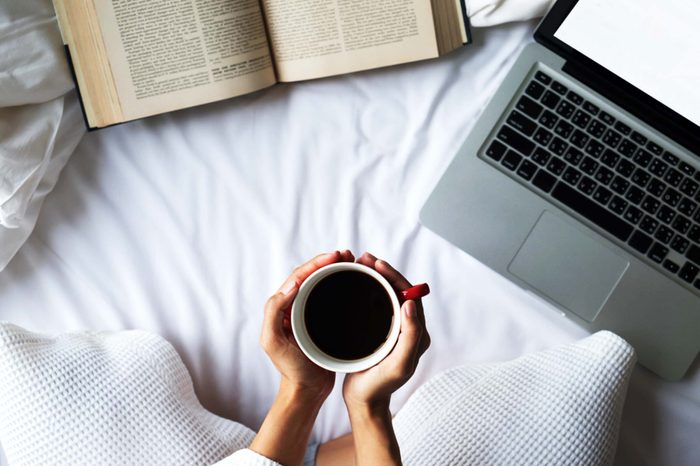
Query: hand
(278, 341)
(373, 387)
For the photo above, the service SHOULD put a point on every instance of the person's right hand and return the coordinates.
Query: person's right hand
(277, 339)
(374, 386)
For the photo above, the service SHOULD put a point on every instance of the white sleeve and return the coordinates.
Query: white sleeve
(247, 458)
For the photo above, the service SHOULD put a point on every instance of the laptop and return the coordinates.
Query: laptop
(581, 179)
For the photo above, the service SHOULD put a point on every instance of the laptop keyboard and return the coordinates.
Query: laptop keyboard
(574, 152)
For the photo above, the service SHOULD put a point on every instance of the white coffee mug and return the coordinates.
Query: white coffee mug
(309, 347)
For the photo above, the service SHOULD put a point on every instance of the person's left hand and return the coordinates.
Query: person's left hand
(277, 339)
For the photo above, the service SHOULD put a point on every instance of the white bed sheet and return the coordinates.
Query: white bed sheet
(183, 224)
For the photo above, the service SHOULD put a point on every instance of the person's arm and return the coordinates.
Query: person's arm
(367, 394)
(304, 386)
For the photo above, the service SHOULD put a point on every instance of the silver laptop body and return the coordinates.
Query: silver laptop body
(491, 209)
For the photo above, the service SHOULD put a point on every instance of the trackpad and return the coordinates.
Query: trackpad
(572, 268)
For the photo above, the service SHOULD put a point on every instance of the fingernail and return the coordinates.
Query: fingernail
(289, 287)
(410, 309)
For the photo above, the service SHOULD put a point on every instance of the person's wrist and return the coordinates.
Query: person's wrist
(304, 394)
(367, 409)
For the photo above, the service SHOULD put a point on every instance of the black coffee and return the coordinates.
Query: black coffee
(348, 315)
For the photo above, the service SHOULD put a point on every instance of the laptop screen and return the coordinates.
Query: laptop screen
(653, 45)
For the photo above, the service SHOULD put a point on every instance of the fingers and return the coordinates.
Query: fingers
(395, 278)
(302, 272)
(274, 318)
(404, 356)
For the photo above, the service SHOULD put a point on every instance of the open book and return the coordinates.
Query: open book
(136, 58)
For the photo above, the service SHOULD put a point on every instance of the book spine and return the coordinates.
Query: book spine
(467, 23)
(66, 48)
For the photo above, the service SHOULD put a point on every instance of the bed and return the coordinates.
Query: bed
(183, 224)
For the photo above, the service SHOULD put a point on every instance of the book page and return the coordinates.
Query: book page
(171, 54)
(317, 38)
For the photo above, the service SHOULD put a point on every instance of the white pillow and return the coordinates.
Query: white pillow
(40, 118)
(126, 398)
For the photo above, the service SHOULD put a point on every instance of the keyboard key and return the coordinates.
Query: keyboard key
(597, 129)
(591, 108)
(619, 185)
(642, 157)
(581, 119)
(559, 88)
(623, 128)
(649, 225)
(522, 123)
(602, 195)
(618, 205)
(607, 118)
(679, 244)
(633, 215)
(592, 211)
(689, 187)
(573, 156)
(671, 197)
(696, 217)
(689, 272)
(658, 167)
(571, 176)
(650, 205)
(529, 107)
(681, 224)
(543, 78)
(687, 169)
(694, 254)
(673, 177)
(634, 195)
(548, 119)
(639, 138)
(527, 170)
(511, 160)
(612, 138)
(544, 181)
(595, 148)
(671, 266)
(670, 158)
(543, 136)
(625, 168)
(664, 234)
(654, 148)
(550, 100)
(566, 109)
(656, 187)
(579, 139)
(541, 156)
(516, 141)
(640, 177)
(534, 90)
(665, 214)
(496, 151)
(658, 253)
(574, 97)
(697, 284)
(610, 158)
(564, 129)
(627, 148)
(640, 242)
(556, 166)
(604, 176)
(588, 166)
(694, 234)
(587, 185)
(558, 146)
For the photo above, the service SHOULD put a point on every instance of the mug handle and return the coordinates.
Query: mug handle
(415, 292)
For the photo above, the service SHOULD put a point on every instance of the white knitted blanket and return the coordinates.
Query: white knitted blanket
(126, 398)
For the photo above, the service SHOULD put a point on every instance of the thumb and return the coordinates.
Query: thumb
(275, 312)
(407, 345)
